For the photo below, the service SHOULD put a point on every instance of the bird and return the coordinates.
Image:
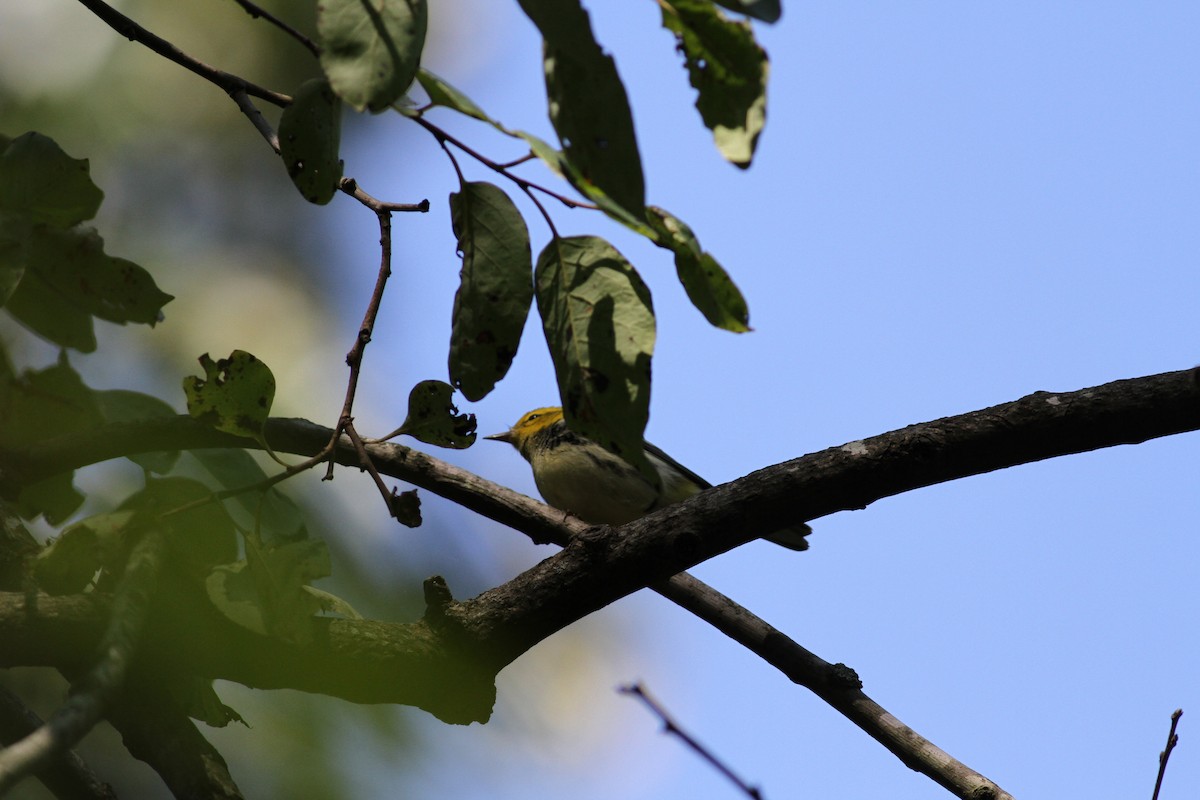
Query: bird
(577, 475)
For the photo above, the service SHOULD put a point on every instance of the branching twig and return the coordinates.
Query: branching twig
(86, 705)
(351, 187)
(256, 12)
(672, 727)
(442, 137)
(1172, 740)
(355, 356)
(383, 212)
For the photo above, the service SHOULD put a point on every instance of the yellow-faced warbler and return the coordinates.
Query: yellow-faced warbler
(577, 475)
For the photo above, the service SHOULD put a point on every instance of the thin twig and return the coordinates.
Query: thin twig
(401, 506)
(86, 705)
(136, 33)
(1172, 740)
(442, 137)
(516, 162)
(256, 12)
(256, 118)
(351, 187)
(383, 212)
(670, 726)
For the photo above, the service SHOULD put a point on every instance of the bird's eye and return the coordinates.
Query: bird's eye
(532, 417)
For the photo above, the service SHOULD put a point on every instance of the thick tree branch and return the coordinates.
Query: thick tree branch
(66, 776)
(600, 566)
(156, 731)
(91, 696)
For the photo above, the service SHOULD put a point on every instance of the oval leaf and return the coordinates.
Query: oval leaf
(310, 133)
(599, 324)
(588, 105)
(370, 51)
(433, 419)
(493, 300)
(234, 396)
(443, 94)
(708, 286)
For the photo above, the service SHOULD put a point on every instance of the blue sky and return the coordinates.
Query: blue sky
(953, 205)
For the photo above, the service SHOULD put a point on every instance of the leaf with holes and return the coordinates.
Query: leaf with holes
(493, 299)
(729, 71)
(434, 419)
(234, 396)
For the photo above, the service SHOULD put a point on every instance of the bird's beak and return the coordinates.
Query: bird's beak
(501, 437)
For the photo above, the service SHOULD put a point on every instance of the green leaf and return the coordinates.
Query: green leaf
(234, 396)
(766, 10)
(14, 252)
(266, 592)
(41, 182)
(492, 302)
(310, 132)
(55, 498)
(195, 526)
(442, 93)
(230, 587)
(728, 69)
(280, 574)
(434, 419)
(122, 405)
(332, 604)
(275, 515)
(370, 50)
(599, 325)
(42, 405)
(45, 404)
(588, 105)
(67, 565)
(199, 700)
(42, 309)
(113, 289)
(68, 279)
(708, 286)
